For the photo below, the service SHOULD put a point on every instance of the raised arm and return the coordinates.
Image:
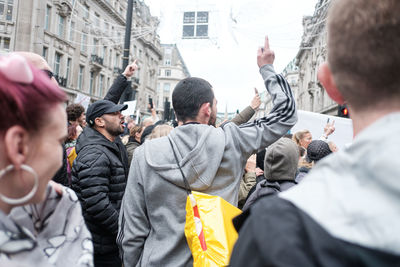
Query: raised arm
(120, 83)
(253, 136)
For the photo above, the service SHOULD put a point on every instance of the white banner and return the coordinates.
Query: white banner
(315, 123)
(82, 99)
(131, 108)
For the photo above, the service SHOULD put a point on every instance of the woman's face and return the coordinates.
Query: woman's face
(306, 140)
(45, 154)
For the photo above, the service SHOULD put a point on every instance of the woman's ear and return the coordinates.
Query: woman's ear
(16, 142)
(326, 78)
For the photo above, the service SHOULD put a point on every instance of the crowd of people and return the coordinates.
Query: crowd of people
(90, 187)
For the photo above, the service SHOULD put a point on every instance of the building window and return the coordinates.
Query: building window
(6, 44)
(47, 18)
(1, 8)
(140, 53)
(85, 12)
(167, 62)
(117, 63)
(91, 83)
(101, 81)
(110, 58)
(103, 54)
(94, 48)
(57, 61)
(45, 52)
(80, 77)
(167, 87)
(195, 24)
(97, 20)
(168, 73)
(61, 21)
(69, 60)
(168, 51)
(83, 42)
(9, 10)
(72, 31)
(106, 28)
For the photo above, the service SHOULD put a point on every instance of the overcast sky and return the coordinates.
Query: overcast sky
(228, 58)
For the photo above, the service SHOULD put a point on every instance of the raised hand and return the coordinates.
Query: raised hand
(130, 69)
(329, 128)
(265, 55)
(256, 102)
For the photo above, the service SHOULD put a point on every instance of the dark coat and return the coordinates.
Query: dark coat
(130, 147)
(274, 232)
(61, 175)
(265, 188)
(99, 180)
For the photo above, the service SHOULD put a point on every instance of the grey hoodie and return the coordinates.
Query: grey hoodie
(152, 217)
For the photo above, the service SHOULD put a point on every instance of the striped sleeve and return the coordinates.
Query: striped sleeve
(260, 133)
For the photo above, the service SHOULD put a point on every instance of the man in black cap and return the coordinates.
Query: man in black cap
(99, 177)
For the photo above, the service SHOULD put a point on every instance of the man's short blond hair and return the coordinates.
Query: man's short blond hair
(364, 51)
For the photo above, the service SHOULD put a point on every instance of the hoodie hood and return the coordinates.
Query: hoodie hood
(90, 136)
(195, 146)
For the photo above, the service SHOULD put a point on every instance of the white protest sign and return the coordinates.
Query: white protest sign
(315, 123)
(131, 108)
(82, 99)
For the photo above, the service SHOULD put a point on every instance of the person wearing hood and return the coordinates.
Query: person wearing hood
(280, 168)
(99, 177)
(152, 217)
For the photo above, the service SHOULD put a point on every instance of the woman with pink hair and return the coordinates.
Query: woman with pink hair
(37, 224)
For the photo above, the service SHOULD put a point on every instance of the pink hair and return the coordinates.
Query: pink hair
(27, 105)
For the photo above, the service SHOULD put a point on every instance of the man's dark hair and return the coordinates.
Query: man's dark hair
(188, 96)
(74, 111)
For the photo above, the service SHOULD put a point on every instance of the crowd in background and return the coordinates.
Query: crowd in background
(91, 187)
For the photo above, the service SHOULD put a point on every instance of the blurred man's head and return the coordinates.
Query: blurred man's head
(39, 62)
(363, 54)
(193, 100)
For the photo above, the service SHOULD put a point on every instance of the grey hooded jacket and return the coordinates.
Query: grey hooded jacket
(152, 216)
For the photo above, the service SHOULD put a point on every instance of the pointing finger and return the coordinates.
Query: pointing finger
(134, 62)
(266, 44)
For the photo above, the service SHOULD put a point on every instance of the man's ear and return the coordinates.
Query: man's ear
(16, 145)
(326, 78)
(99, 122)
(206, 109)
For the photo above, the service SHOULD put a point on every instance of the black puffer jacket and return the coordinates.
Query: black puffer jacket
(99, 179)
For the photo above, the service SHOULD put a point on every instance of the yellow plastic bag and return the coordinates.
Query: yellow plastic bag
(209, 229)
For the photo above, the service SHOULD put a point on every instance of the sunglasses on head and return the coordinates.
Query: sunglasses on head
(49, 73)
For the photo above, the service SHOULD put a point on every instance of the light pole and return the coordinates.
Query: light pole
(127, 43)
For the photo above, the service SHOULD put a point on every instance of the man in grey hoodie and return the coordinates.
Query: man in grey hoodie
(152, 217)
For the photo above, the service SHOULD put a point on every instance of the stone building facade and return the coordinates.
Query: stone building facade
(171, 71)
(301, 73)
(83, 40)
(310, 94)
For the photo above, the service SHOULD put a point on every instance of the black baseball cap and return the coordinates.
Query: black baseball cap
(101, 107)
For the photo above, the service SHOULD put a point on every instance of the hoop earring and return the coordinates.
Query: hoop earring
(18, 201)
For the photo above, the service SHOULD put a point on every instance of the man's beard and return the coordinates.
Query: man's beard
(212, 120)
(114, 130)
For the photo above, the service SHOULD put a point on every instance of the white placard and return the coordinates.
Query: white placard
(82, 99)
(131, 108)
(315, 123)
